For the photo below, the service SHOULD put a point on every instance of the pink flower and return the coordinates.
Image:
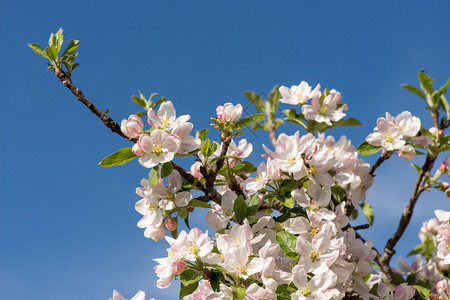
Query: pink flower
(166, 118)
(229, 112)
(159, 147)
(407, 152)
(133, 127)
(298, 94)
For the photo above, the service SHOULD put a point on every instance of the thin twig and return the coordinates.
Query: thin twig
(385, 155)
(271, 128)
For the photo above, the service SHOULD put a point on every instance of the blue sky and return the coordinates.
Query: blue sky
(68, 227)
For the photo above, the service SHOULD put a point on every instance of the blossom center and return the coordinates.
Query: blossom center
(299, 98)
(314, 205)
(389, 138)
(193, 248)
(165, 122)
(323, 110)
(153, 207)
(291, 160)
(157, 150)
(313, 231)
(305, 291)
(314, 255)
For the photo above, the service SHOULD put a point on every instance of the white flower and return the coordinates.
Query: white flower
(327, 111)
(159, 147)
(139, 296)
(166, 118)
(389, 135)
(297, 94)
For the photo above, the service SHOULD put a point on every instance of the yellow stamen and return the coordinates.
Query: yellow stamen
(389, 138)
(323, 110)
(157, 150)
(153, 206)
(314, 255)
(314, 206)
(313, 231)
(165, 122)
(291, 160)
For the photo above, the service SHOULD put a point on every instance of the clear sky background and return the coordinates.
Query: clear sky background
(68, 227)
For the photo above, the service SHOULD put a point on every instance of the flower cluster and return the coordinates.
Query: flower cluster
(390, 133)
(316, 182)
(168, 135)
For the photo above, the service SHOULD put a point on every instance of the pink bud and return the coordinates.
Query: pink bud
(441, 132)
(178, 267)
(137, 149)
(171, 224)
(445, 185)
(133, 127)
(442, 285)
(219, 111)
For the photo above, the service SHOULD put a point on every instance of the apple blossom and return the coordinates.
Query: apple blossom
(229, 112)
(298, 94)
(132, 127)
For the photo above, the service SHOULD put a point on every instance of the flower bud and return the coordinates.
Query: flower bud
(171, 224)
(133, 127)
(434, 131)
(445, 185)
(137, 149)
(407, 152)
(178, 267)
(229, 112)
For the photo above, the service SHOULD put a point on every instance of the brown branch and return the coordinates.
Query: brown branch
(110, 123)
(115, 127)
(385, 155)
(405, 219)
(435, 117)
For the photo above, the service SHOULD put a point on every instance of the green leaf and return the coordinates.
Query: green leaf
(238, 292)
(153, 176)
(58, 39)
(287, 242)
(211, 149)
(414, 90)
(252, 205)
(71, 48)
(106, 111)
(443, 88)
(198, 203)
(274, 98)
(139, 101)
(166, 169)
(250, 120)
(190, 276)
(52, 53)
(205, 146)
(367, 149)
(140, 113)
(254, 98)
(240, 208)
(426, 83)
(416, 167)
(243, 168)
(38, 50)
(368, 212)
(201, 134)
(426, 248)
(187, 289)
(444, 104)
(118, 158)
(424, 292)
(216, 279)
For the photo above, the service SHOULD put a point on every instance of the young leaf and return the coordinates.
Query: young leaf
(244, 168)
(250, 120)
(153, 176)
(426, 83)
(274, 98)
(424, 292)
(201, 134)
(118, 158)
(414, 90)
(343, 122)
(287, 242)
(252, 205)
(166, 169)
(198, 203)
(238, 292)
(240, 208)
(71, 48)
(254, 98)
(205, 146)
(187, 289)
(38, 50)
(51, 53)
(367, 149)
(139, 101)
(416, 167)
(190, 276)
(368, 212)
(58, 39)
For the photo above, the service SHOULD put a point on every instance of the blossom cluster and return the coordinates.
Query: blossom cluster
(390, 133)
(310, 250)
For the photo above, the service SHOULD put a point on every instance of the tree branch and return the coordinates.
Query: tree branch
(405, 219)
(385, 155)
(110, 123)
(271, 128)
